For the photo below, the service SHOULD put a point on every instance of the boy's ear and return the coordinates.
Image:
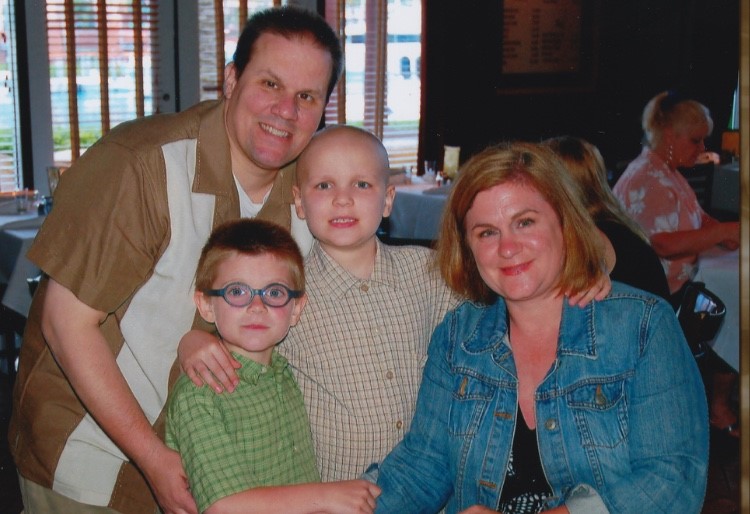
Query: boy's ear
(298, 202)
(390, 194)
(205, 308)
(299, 305)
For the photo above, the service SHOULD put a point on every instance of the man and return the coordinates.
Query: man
(120, 250)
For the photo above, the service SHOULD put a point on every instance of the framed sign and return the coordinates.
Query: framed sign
(547, 45)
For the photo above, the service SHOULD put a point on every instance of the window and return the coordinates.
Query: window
(102, 54)
(734, 118)
(221, 22)
(380, 90)
(10, 155)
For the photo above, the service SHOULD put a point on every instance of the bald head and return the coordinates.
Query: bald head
(343, 140)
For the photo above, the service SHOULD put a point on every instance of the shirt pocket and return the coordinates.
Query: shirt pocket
(599, 408)
(470, 400)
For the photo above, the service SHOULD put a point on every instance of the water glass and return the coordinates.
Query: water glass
(26, 200)
(430, 170)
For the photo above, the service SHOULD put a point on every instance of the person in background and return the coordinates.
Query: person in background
(636, 264)
(656, 195)
(120, 249)
(659, 198)
(529, 404)
(251, 451)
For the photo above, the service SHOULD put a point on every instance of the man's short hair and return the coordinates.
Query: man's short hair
(248, 236)
(289, 21)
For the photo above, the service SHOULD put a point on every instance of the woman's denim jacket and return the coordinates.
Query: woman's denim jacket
(622, 423)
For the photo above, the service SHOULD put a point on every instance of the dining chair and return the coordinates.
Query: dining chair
(701, 179)
(12, 325)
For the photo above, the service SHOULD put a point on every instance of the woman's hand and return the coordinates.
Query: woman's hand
(206, 361)
(731, 230)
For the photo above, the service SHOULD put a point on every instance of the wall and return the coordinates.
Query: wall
(643, 47)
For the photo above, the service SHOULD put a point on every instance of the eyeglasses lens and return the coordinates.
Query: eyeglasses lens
(240, 295)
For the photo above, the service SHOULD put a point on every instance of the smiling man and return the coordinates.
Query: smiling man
(120, 250)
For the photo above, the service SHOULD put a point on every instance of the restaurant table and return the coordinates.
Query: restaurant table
(417, 210)
(719, 269)
(9, 212)
(15, 239)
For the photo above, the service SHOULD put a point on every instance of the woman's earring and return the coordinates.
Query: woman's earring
(670, 154)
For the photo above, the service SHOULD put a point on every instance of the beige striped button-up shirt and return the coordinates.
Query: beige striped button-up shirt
(358, 353)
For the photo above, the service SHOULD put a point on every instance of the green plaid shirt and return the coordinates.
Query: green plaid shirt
(256, 436)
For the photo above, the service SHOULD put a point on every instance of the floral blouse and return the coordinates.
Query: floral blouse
(661, 200)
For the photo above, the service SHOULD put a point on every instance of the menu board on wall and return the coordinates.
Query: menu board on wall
(541, 36)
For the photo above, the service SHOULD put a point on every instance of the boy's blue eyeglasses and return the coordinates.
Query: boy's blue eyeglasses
(238, 294)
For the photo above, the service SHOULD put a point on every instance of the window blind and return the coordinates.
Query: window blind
(220, 25)
(381, 87)
(103, 60)
(10, 154)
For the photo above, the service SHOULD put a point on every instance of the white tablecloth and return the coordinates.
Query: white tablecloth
(417, 210)
(720, 270)
(9, 212)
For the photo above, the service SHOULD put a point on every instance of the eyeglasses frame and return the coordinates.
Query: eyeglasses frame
(292, 294)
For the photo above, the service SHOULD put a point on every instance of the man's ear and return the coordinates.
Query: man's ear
(205, 308)
(230, 79)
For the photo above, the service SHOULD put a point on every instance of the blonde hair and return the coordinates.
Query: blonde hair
(670, 109)
(536, 166)
(585, 164)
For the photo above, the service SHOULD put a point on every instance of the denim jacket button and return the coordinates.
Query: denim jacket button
(550, 424)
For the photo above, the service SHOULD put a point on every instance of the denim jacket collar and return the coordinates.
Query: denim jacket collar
(490, 327)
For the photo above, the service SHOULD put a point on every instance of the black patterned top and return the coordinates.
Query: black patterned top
(525, 487)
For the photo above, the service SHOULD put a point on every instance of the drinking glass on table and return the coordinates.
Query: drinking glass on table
(53, 177)
(430, 170)
(26, 200)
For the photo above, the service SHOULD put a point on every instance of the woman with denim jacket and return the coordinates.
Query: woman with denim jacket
(529, 404)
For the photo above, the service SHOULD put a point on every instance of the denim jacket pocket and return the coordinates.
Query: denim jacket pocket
(470, 400)
(600, 411)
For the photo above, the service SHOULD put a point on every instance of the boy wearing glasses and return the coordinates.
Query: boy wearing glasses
(243, 450)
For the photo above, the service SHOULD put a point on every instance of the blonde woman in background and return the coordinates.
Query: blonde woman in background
(660, 199)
